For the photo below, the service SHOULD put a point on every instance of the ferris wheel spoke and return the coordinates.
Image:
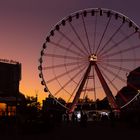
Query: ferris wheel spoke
(76, 46)
(122, 51)
(67, 49)
(78, 63)
(114, 74)
(62, 56)
(65, 73)
(114, 86)
(118, 43)
(110, 81)
(85, 29)
(121, 68)
(75, 89)
(68, 82)
(110, 39)
(62, 88)
(119, 77)
(106, 27)
(116, 67)
(80, 71)
(74, 30)
(95, 29)
(61, 65)
(85, 89)
(80, 88)
(123, 60)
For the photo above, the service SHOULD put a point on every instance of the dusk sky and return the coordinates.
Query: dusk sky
(24, 25)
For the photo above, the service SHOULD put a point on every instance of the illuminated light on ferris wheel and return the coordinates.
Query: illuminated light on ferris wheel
(88, 53)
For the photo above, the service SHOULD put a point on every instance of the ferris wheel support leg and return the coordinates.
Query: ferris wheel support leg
(107, 90)
(78, 93)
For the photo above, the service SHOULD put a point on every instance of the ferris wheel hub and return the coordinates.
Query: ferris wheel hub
(93, 58)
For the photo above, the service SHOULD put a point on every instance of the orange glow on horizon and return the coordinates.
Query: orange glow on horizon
(29, 91)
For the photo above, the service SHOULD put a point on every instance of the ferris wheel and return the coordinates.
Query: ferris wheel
(89, 53)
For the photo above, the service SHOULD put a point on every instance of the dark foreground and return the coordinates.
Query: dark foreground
(70, 131)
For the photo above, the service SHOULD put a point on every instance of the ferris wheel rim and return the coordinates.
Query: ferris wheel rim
(96, 10)
(67, 18)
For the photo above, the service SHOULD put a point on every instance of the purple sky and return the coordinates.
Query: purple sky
(24, 25)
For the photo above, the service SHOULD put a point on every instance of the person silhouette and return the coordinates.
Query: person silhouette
(74, 117)
(112, 118)
(83, 121)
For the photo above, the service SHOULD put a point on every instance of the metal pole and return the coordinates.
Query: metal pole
(107, 90)
(78, 93)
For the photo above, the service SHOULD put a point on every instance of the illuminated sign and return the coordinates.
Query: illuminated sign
(8, 61)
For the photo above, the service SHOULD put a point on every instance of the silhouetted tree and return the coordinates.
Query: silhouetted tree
(62, 101)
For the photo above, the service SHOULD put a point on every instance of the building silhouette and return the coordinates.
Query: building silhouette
(10, 76)
(131, 89)
(133, 79)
